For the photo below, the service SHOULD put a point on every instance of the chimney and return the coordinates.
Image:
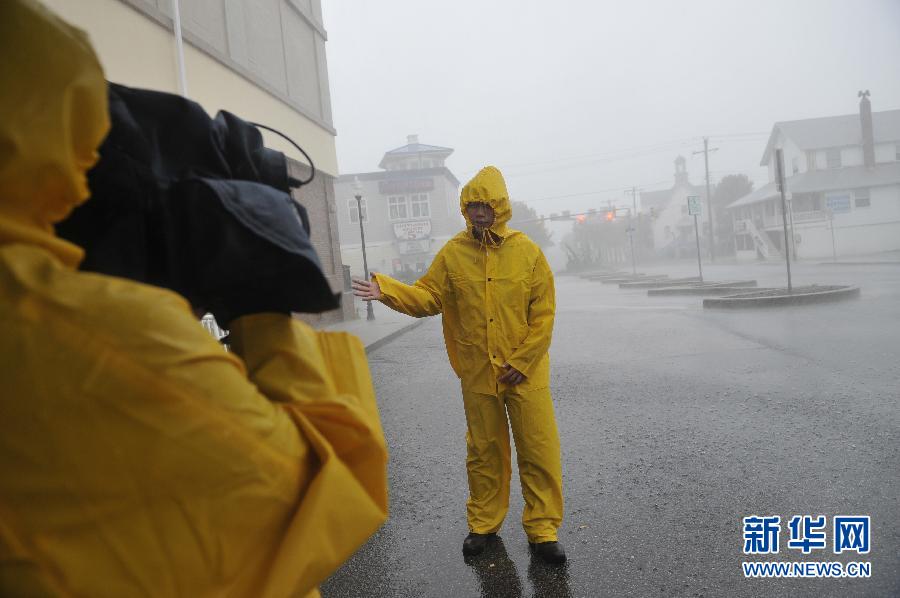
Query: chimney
(412, 139)
(865, 122)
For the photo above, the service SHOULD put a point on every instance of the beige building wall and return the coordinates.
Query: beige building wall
(138, 51)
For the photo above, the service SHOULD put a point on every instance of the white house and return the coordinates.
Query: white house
(843, 185)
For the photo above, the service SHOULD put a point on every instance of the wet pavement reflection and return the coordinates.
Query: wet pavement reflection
(499, 578)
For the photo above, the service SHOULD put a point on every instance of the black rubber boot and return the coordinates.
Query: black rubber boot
(474, 543)
(550, 552)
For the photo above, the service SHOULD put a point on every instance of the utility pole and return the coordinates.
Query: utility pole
(779, 183)
(712, 241)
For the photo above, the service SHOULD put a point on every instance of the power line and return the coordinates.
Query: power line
(749, 134)
(621, 188)
(633, 152)
(604, 156)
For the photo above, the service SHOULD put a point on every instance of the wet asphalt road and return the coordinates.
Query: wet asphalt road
(675, 423)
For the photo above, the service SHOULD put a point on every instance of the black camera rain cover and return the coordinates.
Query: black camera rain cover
(199, 206)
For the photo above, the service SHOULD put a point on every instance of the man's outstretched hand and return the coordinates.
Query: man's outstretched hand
(512, 376)
(367, 290)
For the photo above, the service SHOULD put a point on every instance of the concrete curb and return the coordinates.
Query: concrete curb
(859, 263)
(738, 286)
(666, 282)
(742, 301)
(599, 274)
(377, 344)
(617, 275)
(630, 278)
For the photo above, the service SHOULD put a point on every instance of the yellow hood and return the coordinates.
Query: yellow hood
(53, 116)
(489, 187)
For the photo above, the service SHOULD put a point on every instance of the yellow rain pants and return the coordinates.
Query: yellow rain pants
(137, 456)
(496, 295)
(488, 461)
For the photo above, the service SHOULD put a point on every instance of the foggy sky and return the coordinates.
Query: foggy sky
(576, 100)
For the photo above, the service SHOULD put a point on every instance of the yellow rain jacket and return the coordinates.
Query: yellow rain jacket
(137, 457)
(495, 293)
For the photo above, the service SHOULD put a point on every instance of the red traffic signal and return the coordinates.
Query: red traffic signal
(610, 216)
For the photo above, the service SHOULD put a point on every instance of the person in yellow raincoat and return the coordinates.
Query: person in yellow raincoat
(495, 290)
(137, 456)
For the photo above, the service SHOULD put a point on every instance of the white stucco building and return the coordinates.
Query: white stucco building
(410, 208)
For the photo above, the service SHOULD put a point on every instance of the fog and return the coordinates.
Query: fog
(576, 101)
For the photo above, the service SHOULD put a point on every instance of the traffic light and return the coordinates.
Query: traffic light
(581, 218)
(610, 216)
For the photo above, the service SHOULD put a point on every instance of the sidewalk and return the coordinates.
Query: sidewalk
(387, 325)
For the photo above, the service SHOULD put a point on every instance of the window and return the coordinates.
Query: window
(418, 206)
(862, 198)
(795, 164)
(397, 207)
(833, 157)
(810, 160)
(352, 208)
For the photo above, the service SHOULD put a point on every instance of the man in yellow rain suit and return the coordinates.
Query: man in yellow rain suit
(495, 290)
(137, 457)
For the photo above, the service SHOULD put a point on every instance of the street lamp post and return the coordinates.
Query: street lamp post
(370, 313)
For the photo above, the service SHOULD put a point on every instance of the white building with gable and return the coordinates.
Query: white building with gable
(843, 185)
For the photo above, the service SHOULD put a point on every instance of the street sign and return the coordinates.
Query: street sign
(407, 231)
(693, 205)
(838, 203)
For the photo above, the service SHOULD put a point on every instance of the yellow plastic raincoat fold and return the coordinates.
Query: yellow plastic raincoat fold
(137, 457)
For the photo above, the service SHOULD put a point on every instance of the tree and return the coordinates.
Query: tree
(526, 220)
(731, 188)
(596, 241)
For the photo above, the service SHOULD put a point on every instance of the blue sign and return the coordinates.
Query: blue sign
(838, 203)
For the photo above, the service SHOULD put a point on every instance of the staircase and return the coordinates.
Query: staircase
(764, 247)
